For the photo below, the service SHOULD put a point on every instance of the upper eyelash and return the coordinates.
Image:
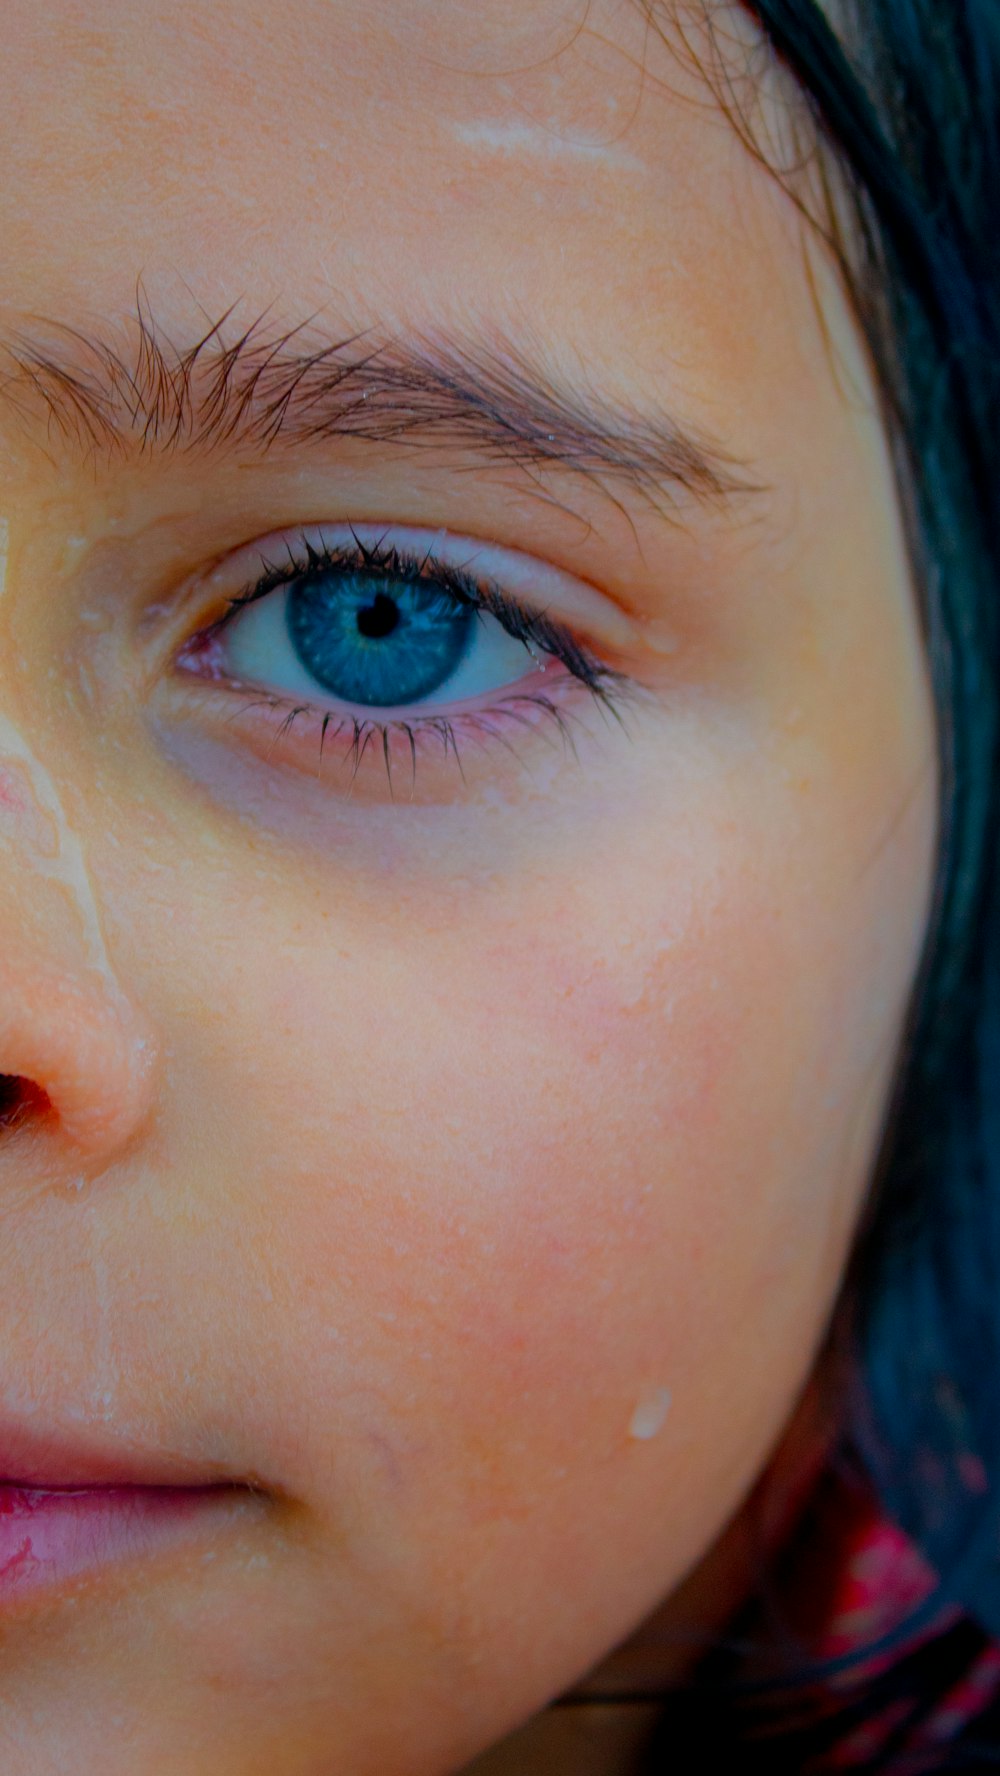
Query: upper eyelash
(533, 628)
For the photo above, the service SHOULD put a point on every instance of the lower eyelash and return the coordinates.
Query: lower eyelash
(365, 732)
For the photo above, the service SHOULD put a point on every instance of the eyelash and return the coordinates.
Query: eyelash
(536, 630)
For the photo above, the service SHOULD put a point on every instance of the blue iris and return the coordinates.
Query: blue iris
(372, 637)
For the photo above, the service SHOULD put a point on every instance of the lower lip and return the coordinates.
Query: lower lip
(49, 1535)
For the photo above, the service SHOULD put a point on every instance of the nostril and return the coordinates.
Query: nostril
(19, 1100)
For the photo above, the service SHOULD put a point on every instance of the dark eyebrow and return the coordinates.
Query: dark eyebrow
(258, 391)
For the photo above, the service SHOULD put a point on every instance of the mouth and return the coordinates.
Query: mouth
(68, 1508)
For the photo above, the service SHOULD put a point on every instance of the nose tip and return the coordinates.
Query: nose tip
(85, 1060)
(69, 1033)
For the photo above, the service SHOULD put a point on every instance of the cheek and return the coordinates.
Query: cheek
(501, 1176)
(530, 1181)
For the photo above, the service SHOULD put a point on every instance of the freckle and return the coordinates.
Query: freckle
(650, 1415)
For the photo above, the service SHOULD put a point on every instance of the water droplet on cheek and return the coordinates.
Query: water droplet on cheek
(650, 1415)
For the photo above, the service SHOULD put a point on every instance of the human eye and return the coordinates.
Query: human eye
(356, 640)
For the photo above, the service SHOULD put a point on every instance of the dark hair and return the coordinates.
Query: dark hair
(904, 97)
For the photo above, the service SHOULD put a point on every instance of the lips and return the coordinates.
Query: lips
(32, 1455)
(70, 1504)
(48, 1538)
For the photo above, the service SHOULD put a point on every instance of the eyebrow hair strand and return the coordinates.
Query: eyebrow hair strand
(487, 397)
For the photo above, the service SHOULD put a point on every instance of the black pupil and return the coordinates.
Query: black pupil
(379, 618)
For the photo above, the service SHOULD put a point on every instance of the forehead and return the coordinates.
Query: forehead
(552, 163)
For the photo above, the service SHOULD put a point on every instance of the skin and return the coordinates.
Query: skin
(399, 1152)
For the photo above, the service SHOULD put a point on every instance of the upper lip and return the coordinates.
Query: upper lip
(35, 1454)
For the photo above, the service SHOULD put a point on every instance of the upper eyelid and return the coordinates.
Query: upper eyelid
(572, 602)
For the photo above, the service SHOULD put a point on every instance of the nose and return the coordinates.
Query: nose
(72, 1051)
(76, 1052)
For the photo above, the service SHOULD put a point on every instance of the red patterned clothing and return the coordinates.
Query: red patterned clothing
(849, 1579)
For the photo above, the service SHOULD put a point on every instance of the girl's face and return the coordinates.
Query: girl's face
(468, 1160)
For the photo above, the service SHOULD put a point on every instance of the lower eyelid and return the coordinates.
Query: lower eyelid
(435, 758)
